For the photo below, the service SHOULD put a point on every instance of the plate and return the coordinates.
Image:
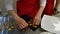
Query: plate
(51, 24)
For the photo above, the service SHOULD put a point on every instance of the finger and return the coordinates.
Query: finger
(25, 24)
(34, 22)
(37, 22)
(34, 26)
(20, 26)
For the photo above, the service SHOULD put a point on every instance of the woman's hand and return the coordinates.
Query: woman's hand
(22, 24)
(36, 20)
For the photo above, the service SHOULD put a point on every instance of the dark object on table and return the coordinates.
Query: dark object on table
(28, 19)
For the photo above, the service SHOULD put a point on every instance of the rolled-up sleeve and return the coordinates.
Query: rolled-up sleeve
(43, 3)
(8, 4)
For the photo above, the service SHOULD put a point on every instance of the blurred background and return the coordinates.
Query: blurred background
(3, 7)
(4, 10)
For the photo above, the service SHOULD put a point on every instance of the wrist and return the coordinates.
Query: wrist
(38, 16)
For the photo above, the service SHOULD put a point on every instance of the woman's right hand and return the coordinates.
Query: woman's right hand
(22, 24)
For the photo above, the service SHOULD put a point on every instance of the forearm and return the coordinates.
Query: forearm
(9, 7)
(14, 15)
(40, 11)
(42, 6)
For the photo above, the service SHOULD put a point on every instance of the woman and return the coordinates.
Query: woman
(32, 8)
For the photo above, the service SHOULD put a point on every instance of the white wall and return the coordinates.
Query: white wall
(3, 7)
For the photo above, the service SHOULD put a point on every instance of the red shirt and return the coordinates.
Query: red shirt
(31, 7)
(49, 7)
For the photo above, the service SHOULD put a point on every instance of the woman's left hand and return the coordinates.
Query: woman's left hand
(36, 20)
